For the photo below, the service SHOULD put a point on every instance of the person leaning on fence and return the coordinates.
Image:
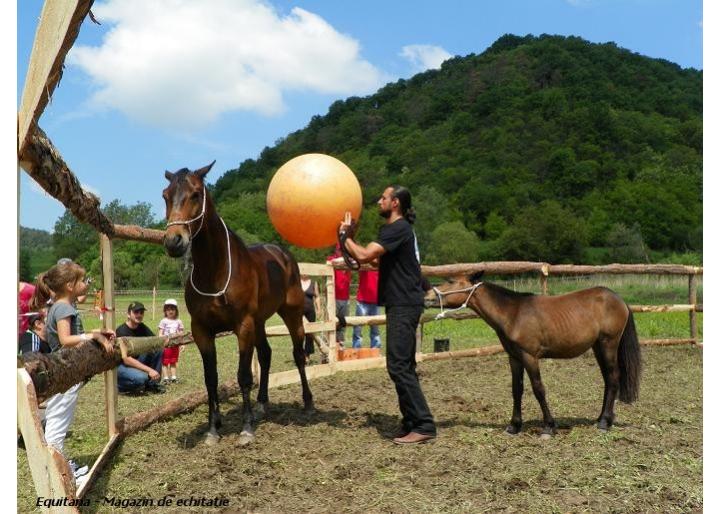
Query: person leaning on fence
(400, 291)
(367, 306)
(64, 329)
(141, 373)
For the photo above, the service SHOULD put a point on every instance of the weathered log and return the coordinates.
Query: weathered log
(135, 233)
(473, 352)
(137, 422)
(57, 30)
(491, 268)
(511, 268)
(56, 372)
(44, 163)
(645, 269)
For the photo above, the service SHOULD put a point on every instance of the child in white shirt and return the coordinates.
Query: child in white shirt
(170, 325)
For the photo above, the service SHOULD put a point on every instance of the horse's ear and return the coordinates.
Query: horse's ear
(204, 171)
(169, 175)
(476, 277)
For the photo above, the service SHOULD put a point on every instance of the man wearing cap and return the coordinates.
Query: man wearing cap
(143, 371)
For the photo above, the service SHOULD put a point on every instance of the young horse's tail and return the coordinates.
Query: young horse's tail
(629, 362)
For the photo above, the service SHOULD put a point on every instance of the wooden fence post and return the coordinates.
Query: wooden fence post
(692, 300)
(109, 377)
(544, 279)
(330, 311)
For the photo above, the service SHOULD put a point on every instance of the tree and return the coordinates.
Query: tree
(452, 242)
(25, 270)
(546, 232)
(626, 244)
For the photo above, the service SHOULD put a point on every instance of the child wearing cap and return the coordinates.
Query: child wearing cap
(170, 325)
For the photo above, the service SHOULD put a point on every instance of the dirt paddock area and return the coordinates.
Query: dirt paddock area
(340, 459)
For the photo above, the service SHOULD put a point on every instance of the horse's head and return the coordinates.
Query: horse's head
(454, 291)
(185, 205)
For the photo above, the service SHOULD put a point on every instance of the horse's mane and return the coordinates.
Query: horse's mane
(505, 291)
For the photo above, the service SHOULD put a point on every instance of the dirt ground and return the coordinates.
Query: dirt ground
(340, 459)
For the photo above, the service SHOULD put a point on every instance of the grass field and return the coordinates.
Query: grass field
(338, 460)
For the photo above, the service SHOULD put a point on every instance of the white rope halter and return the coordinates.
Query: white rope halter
(187, 222)
(192, 236)
(440, 295)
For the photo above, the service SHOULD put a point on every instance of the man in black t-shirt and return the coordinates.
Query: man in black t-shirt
(143, 371)
(400, 290)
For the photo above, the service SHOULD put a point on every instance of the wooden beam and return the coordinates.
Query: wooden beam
(494, 268)
(315, 270)
(45, 165)
(512, 268)
(110, 376)
(611, 269)
(692, 299)
(56, 372)
(49, 469)
(135, 233)
(99, 464)
(188, 402)
(459, 354)
(312, 327)
(57, 31)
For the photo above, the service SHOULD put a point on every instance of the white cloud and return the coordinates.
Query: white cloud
(424, 57)
(183, 63)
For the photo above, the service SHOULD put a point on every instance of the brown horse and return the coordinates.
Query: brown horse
(231, 287)
(531, 327)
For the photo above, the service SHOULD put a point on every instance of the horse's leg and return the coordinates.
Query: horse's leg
(264, 355)
(245, 332)
(293, 320)
(206, 345)
(608, 354)
(600, 358)
(532, 366)
(518, 372)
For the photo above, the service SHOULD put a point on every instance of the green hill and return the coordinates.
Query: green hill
(538, 148)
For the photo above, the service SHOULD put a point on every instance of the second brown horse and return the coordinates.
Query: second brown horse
(231, 287)
(531, 327)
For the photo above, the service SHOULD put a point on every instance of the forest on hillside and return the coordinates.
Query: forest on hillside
(542, 148)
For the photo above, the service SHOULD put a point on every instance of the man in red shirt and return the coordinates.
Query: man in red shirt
(342, 295)
(367, 305)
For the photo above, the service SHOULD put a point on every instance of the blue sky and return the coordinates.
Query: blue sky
(171, 84)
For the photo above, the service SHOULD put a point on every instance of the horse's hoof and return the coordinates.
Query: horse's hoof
(261, 409)
(545, 436)
(246, 437)
(211, 439)
(512, 430)
(309, 408)
(603, 425)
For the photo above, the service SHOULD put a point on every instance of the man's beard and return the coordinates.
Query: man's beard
(385, 214)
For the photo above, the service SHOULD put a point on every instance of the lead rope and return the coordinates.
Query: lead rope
(227, 282)
(192, 236)
(440, 295)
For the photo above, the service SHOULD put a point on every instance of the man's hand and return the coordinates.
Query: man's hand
(348, 225)
(154, 375)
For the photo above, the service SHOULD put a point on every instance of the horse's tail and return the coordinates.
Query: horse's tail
(629, 362)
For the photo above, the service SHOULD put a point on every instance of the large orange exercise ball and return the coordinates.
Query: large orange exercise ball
(308, 197)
